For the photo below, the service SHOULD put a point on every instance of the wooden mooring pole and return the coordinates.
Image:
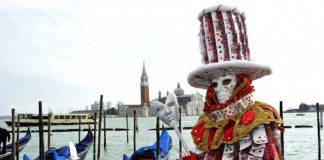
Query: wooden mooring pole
(134, 134)
(105, 138)
(318, 132)
(281, 133)
(95, 137)
(13, 128)
(321, 117)
(49, 130)
(157, 138)
(41, 131)
(17, 140)
(127, 126)
(79, 132)
(100, 120)
(180, 145)
(136, 123)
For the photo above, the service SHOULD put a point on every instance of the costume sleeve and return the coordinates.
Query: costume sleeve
(191, 156)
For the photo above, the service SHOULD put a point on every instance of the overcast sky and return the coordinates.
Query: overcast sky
(68, 53)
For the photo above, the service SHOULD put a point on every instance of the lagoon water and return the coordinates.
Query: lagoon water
(300, 143)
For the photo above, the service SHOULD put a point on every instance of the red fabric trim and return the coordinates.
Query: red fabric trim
(211, 136)
(228, 131)
(248, 117)
(281, 129)
(272, 150)
(197, 128)
(198, 131)
(189, 157)
(200, 135)
(211, 38)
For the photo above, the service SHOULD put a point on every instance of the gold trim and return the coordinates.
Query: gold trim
(264, 114)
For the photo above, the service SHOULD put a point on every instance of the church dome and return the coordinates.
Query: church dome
(179, 91)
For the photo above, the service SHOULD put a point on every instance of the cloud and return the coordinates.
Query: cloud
(99, 46)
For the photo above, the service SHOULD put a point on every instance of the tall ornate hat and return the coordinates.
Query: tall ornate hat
(224, 47)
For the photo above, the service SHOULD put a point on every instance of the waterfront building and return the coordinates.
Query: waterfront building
(191, 104)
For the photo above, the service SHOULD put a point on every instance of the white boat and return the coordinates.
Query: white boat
(56, 119)
(300, 114)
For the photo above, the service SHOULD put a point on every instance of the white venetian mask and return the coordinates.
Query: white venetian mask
(167, 112)
(224, 87)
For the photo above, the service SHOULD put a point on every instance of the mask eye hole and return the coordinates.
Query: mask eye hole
(170, 104)
(159, 108)
(214, 85)
(226, 81)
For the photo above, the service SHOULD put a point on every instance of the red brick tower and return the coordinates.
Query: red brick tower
(145, 96)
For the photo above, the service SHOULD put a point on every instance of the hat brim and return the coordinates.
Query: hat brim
(203, 75)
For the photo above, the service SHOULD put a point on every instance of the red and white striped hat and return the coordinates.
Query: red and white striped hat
(224, 47)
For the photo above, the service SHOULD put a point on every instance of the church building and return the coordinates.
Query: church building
(191, 104)
(142, 110)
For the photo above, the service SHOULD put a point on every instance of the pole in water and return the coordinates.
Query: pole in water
(281, 133)
(41, 131)
(157, 138)
(180, 145)
(17, 140)
(13, 140)
(134, 134)
(321, 117)
(127, 126)
(79, 135)
(318, 132)
(100, 119)
(136, 123)
(95, 137)
(105, 143)
(49, 130)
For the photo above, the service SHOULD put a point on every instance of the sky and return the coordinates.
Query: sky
(68, 53)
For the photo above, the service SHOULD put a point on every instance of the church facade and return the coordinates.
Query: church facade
(191, 104)
(142, 110)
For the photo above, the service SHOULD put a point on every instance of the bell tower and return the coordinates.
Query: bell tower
(145, 97)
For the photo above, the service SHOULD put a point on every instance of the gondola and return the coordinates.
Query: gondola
(63, 153)
(21, 144)
(149, 152)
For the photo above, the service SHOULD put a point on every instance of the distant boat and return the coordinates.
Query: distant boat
(300, 114)
(56, 119)
(63, 153)
(22, 143)
(149, 152)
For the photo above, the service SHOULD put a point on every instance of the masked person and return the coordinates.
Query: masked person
(233, 126)
(4, 136)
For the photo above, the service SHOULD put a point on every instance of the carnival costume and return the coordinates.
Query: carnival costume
(238, 128)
